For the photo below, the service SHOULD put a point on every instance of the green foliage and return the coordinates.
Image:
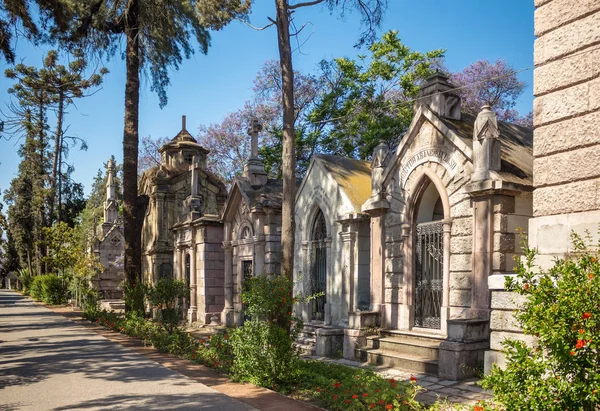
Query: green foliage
(337, 387)
(561, 310)
(263, 348)
(49, 288)
(164, 295)
(369, 99)
(25, 280)
(134, 297)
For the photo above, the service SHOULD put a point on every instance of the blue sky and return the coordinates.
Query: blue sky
(207, 87)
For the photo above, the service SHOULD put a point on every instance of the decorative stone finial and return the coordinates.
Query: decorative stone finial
(486, 144)
(183, 121)
(253, 130)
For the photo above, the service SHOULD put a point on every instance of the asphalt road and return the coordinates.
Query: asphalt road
(47, 362)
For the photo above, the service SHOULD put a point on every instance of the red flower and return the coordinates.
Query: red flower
(380, 402)
(372, 405)
(585, 316)
(572, 352)
(318, 390)
(526, 286)
(413, 378)
(389, 407)
(591, 276)
(581, 331)
(354, 396)
(393, 381)
(580, 344)
(366, 394)
(337, 384)
(478, 408)
(335, 397)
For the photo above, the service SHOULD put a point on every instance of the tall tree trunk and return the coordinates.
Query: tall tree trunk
(133, 260)
(289, 149)
(56, 158)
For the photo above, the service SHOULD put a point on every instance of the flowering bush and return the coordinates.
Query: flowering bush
(337, 387)
(562, 309)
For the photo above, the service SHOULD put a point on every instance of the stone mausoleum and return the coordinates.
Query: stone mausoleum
(182, 234)
(252, 230)
(109, 244)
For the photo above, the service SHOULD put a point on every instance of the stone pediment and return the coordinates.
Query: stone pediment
(449, 142)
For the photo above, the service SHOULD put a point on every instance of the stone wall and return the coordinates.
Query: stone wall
(567, 124)
(566, 167)
(511, 216)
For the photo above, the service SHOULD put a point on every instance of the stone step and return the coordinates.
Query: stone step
(401, 361)
(420, 335)
(406, 345)
(305, 349)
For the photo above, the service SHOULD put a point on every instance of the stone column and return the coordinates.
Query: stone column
(192, 312)
(177, 264)
(306, 290)
(377, 264)
(483, 237)
(445, 312)
(405, 311)
(259, 255)
(330, 277)
(349, 272)
(227, 316)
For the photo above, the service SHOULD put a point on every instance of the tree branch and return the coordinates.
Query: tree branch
(305, 4)
(254, 27)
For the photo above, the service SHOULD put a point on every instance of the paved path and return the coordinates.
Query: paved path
(47, 362)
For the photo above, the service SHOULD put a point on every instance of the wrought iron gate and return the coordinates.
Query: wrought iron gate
(429, 247)
(246, 275)
(319, 267)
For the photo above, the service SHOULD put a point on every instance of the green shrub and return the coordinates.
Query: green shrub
(165, 295)
(263, 348)
(90, 304)
(25, 278)
(561, 309)
(49, 288)
(134, 297)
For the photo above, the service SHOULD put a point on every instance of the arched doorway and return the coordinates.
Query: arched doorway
(429, 259)
(318, 271)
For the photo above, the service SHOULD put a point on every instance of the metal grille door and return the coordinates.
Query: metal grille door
(429, 249)
(246, 274)
(319, 267)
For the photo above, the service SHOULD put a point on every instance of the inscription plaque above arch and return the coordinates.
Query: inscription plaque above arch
(436, 155)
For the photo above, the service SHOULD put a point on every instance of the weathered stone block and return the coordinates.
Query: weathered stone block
(330, 342)
(565, 72)
(497, 337)
(462, 209)
(461, 245)
(557, 13)
(462, 226)
(582, 164)
(504, 242)
(460, 262)
(393, 295)
(501, 223)
(460, 280)
(460, 298)
(567, 198)
(567, 135)
(507, 300)
(504, 321)
(561, 104)
(568, 38)
(499, 261)
(504, 204)
(491, 359)
(458, 361)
